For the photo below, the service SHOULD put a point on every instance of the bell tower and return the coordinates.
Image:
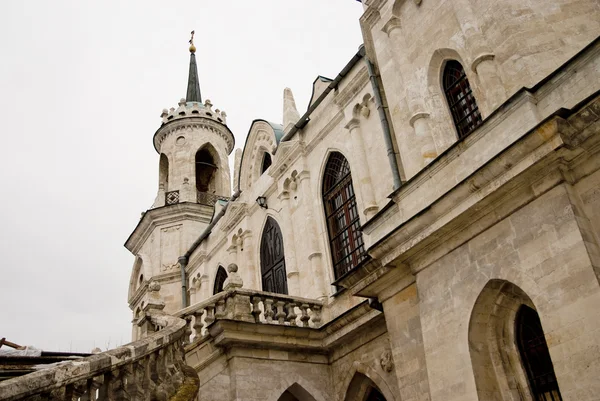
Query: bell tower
(193, 143)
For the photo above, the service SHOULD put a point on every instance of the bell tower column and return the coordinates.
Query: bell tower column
(193, 143)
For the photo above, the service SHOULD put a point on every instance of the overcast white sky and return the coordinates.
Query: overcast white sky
(82, 85)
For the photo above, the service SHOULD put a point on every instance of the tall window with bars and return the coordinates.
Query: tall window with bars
(461, 101)
(341, 211)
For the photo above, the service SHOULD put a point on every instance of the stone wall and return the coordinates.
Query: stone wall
(539, 249)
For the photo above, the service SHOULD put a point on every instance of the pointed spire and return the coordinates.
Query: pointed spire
(193, 87)
(290, 113)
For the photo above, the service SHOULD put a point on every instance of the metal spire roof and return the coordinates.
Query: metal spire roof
(193, 87)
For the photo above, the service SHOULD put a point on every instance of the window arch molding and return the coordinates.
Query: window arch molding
(344, 253)
(498, 363)
(444, 130)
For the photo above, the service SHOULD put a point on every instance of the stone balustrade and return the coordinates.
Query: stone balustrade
(149, 369)
(251, 306)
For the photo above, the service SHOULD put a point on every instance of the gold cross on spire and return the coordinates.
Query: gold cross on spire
(192, 47)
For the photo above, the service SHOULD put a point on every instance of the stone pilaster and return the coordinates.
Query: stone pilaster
(289, 243)
(364, 176)
(315, 257)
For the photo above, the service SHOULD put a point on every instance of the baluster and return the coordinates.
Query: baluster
(280, 316)
(210, 315)
(268, 304)
(105, 393)
(69, 392)
(291, 316)
(198, 325)
(188, 330)
(256, 312)
(81, 390)
(304, 318)
(220, 310)
(316, 315)
(131, 384)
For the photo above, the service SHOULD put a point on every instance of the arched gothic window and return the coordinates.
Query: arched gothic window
(535, 356)
(272, 259)
(459, 95)
(219, 280)
(341, 212)
(266, 163)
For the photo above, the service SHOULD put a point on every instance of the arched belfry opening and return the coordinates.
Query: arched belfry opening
(272, 259)
(163, 172)
(509, 353)
(206, 169)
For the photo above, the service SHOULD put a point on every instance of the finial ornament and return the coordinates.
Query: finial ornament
(192, 47)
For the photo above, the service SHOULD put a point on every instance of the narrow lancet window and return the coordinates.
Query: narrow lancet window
(343, 224)
(461, 101)
(536, 356)
(266, 163)
(220, 280)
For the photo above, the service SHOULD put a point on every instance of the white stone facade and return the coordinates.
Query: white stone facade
(508, 215)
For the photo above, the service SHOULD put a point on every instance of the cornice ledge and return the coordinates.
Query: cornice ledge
(326, 130)
(360, 80)
(535, 154)
(164, 215)
(287, 154)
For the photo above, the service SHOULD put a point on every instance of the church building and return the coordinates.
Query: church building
(427, 230)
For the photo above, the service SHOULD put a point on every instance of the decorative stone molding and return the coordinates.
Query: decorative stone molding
(386, 361)
(233, 280)
(183, 125)
(416, 117)
(391, 25)
(349, 92)
(480, 59)
(235, 213)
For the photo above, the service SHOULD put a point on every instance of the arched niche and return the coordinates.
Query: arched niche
(502, 370)
(163, 172)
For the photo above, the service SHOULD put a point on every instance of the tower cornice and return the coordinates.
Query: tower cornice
(194, 122)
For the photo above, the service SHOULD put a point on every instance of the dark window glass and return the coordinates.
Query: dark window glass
(272, 259)
(341, 212)
(375, 395)
(460, 99)
(266, 163)
(219, 280)
(535, 356)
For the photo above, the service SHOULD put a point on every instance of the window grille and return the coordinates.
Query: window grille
(172, 198)
(341, 211)
(463, 106)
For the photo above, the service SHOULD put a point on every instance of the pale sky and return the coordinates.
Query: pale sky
(82, 85)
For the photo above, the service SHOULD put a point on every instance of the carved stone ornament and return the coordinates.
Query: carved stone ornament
(386, 361)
